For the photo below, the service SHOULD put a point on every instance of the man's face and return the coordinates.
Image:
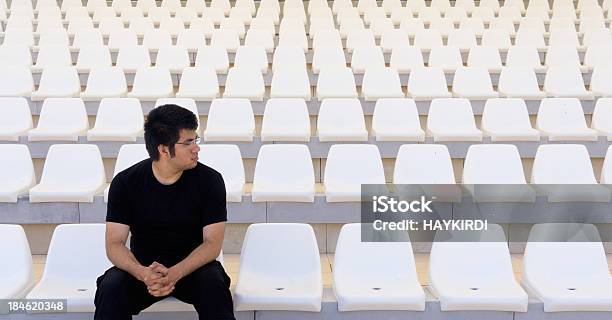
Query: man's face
(186, 150)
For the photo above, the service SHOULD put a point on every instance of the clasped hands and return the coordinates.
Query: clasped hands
(160, 281)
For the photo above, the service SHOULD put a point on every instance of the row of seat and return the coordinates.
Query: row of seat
(286, 275)
(201, 83)
(287, 119)
(284, 172)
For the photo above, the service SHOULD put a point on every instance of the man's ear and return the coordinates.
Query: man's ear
(163, 150)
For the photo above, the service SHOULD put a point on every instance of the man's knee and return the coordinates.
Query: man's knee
(211, 276)
(114, 281)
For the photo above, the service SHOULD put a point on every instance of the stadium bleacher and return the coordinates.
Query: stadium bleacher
(299, 104)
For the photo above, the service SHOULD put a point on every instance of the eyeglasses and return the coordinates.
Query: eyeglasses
(191, 142)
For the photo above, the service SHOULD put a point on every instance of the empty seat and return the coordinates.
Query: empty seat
(336, 82)
(151, 83)
(140, 26)
(597, 55)
(396, 120)
(122, 38)
(245, 82)
(493, 164)
(15, 118)
(427, 83)
(52, 56)
(343, 176)
(191, 39)
(565, 81)
(404, 58)
(117, 120)
(72, 173)
(283, 172)
(365, 58)
(17, 173)
(562, 55)
(602, 115)
(427, 38)
(173, 58)
(213, 56)
(554, 254)
(359, 286)
(82, 261)
(464, 39)
(485, 57)
(285, 120)
(156, 38)
(60, 119)
(475, 275)
(327, 57)
(519, 82)
(562, 119)
(452, 119)
(530, 37)
(473, 83)
(87, 37)
(423, 164)
(260, 37)
(15, 55)
(57, 82)
(381, 83)
(93, 56)
(16, 82)
(230, 120)
(601, 81)
(226, 159)
(229, 39)
(199, 83)
(292, 281)
(252, 56)
(446, 57)
(341, 119)
(18, 277)
(290, 82)
(507, 120)
(132, 58)
(105, 82)
(498, 38)
(522, 56)
(562, 164)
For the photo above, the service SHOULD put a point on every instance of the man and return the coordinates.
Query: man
(174, 208)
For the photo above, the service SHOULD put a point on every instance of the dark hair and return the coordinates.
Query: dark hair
(163, 126)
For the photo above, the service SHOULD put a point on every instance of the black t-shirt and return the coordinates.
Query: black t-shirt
(166, 221)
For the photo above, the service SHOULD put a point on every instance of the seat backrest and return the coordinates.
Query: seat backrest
(505, 114)
(395, 113)
(17, 167)
(15, 55)
(341, 169)
(73, 163)
(84, 259)
(129, 155)
(560, 114)
(523, 56)
(493, 164)
(445, 57)
(16, 258)
(120, 112)
(230, 113)
(423, 164)
(286, 112)
(341, 113)
(427, 79)
(445, 113)
(226, 159)
(15, 113)
(562, 55)
(485, 57)
(562, 164)
(284, 165)
(63, 112)
(133, 57)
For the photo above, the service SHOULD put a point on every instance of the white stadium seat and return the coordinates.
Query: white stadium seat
(230, 120)
(343, 176)
(562, 164)
(226, 159)
(423, 164)
(473, 83)
(358, 283)
(427, 83)
(601, 81)
(292, 281)
(72, 173)
(61, 119)
(151, 83)
(53, 55)
(381, 83)
(565, 81)
(16, 82)
(602, 117)
(554, 254)
(213, 56)
(93, 56)
(18, 276)
(82, 261)
(475, 275)
(404, 58)
(132, 58)
(291, 82)
(57, 82)
(396, 120)
(285, 119)
(173, 58)
(365, 58)
(485, 57)
(341, 119)
(199, 83)
(283, 172)
(519, 82)
(15, 118)
(252, 56)
(17, 173)
(562, 119)
(118, 119)
(105, 82)
(245, 82)
(15, 55)
(507, 120)
(493, 164)
(336, 82)
(522, 56)
(452, 119)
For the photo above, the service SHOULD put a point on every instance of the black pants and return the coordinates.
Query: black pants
(120, 295)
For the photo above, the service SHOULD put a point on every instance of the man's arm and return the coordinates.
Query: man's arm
(208, 251)
(122, 257)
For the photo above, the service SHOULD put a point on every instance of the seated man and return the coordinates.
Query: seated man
(174, 207)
